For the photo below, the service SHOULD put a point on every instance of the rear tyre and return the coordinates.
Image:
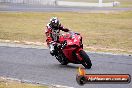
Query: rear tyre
(86, 62)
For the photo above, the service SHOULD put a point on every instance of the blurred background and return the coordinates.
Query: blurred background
(123, 3)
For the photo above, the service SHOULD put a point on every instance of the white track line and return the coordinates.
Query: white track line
(28, 81)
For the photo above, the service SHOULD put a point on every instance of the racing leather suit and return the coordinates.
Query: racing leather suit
(52, 35)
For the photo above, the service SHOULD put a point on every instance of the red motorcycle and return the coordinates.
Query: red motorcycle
(71, 50)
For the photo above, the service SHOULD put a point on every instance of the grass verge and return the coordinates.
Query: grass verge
(4, 83)
(107, 32)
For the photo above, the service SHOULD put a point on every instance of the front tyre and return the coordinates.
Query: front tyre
(62, 59)
(60, 56)
(86, 62)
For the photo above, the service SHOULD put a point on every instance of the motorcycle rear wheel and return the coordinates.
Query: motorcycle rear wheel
(86, 60)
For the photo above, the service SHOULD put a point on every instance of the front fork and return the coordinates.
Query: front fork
(77, 54)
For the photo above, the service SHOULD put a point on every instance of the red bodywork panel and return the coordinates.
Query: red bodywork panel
(73, 44)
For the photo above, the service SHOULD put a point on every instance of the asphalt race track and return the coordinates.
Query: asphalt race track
(37, 65)
(40, 8)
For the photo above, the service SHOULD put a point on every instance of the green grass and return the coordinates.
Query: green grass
(99, 30)
(14, 84)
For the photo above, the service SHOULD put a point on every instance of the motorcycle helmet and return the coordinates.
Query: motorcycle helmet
(54, 22)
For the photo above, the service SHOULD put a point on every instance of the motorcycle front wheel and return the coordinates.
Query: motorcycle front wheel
(86, 62)
(62, 59)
